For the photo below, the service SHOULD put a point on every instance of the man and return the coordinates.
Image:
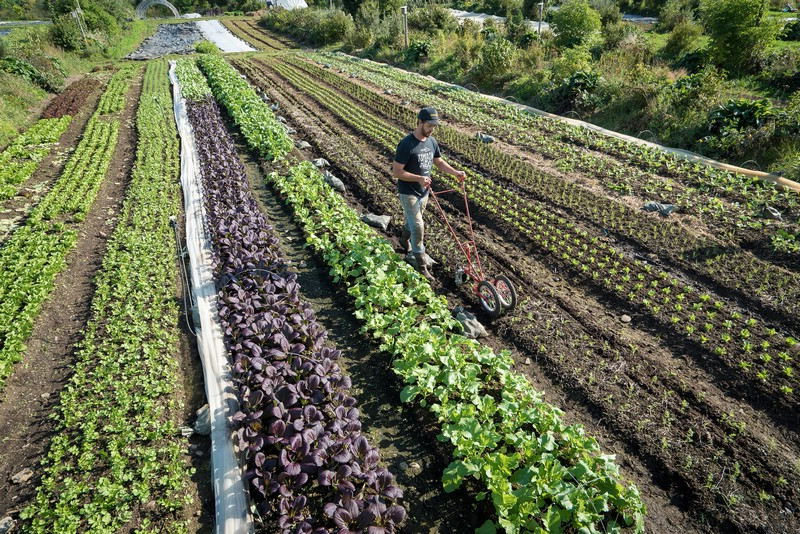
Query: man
(416, 154)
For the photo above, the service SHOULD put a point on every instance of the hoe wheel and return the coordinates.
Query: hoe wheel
(490, 299)
(506, 292)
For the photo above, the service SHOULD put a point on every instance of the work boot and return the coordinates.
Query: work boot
(422, 266)
(405, 240)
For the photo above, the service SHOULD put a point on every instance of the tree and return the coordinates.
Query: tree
(575, 23)
(739, 31)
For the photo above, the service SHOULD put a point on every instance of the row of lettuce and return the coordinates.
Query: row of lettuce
(309, 466)
(36, 252)
(115, 462)
(538, 472)
(22, 157)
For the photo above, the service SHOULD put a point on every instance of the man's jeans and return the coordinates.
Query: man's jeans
(413, 206)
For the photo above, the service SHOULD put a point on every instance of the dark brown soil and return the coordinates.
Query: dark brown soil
(192, 396)
(14, 210)
(32, 391)
(619, 381)
(73, 100)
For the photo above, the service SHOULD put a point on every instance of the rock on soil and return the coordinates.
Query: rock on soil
(22, 477)
(334, 182)
(377, 221)
(202, 425)
(6, 524)
(473, 329)
(169, 39)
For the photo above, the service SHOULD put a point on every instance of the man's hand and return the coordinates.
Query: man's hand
(461, 176)
(425, 181)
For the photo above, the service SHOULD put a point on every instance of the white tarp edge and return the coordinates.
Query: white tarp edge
(214, 31)
(231, 501)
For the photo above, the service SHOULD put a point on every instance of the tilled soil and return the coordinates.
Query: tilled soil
(680, 434)
(31, 393)
(73, 99)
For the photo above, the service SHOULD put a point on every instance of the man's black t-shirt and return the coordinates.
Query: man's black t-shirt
(417, 158)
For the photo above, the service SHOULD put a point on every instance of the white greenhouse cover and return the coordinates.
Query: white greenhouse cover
(289, 4)
(231, 501)
(214, 31)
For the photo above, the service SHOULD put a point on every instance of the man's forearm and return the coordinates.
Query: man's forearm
(406, 176)
(443, 166)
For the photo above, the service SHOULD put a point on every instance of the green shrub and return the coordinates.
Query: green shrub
(251, 5)
(389, 31)
(333, 26)
(608, 10)
(419, 49)
(65, 33)
(432, 17)
(496, 60)
(206, 47)
(790, 32)
(617, 32)
(781, 69)
(682, 39)
(575, 23)
(49, 82)
(739, 127)
(578, 92)
(679, 112)
(674, 12)
(569, 62)
(739, 31)
(358, 39)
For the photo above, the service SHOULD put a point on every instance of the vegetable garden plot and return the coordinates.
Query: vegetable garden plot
(308, 465)
(629, 397)
(633, 281)
(730, 205)
(733, 270)
(21, 158)
(32, 257)
(386, 293)
(72, 99)
(116, 462)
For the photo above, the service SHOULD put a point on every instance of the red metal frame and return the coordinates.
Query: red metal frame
(473, 268)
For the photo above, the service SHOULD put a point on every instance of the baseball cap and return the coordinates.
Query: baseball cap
(429, 114)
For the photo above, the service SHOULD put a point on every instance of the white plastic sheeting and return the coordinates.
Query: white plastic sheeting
(289, 4)
(231, 500)
(214, 31)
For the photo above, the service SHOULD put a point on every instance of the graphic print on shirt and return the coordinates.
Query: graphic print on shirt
(426, 160)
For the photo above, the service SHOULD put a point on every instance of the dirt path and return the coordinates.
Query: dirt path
(32, 391)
